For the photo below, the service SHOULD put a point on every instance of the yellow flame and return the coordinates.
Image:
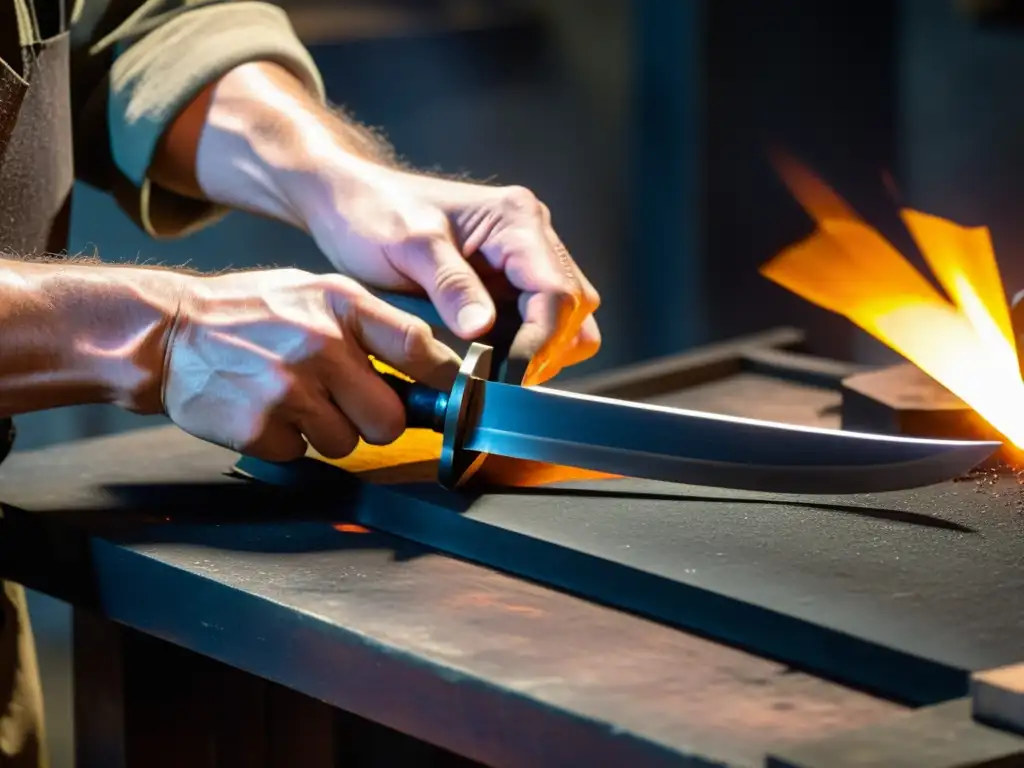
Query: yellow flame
(847, 267)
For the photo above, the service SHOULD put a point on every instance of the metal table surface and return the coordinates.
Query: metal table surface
(485, 665)
(902, 593)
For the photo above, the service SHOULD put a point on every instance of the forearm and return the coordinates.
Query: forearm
(252, 135)
(72, 334)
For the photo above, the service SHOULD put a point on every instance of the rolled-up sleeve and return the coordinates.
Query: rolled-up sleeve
(135, 67)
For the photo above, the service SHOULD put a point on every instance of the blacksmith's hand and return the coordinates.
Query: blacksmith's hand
(262, 143)
(464, 245)
(262, 361)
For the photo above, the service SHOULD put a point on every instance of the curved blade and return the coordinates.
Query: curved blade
(659, 443)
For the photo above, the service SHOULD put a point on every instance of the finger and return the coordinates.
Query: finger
(590, 295)
(403, 341)
(544, 314)
(555, 300)
(530, 264)
(590, 298)
(397, 338)
(578, 338)
(454, 287)
(328, 430)
(278, 441)
(368, 403)
(590, 333)
(586, 344)
(342, 376)
(549, 327)
(587, 299)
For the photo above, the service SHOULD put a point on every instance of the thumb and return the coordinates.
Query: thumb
(453, 286)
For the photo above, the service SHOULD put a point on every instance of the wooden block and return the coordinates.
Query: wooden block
(943, 736)
(903, 400)
(997, 697)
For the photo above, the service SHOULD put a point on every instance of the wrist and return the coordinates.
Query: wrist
(266, 142)
(88, 334)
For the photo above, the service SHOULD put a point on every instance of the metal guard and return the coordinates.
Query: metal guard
(458, 465)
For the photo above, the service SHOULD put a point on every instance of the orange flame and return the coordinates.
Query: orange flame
(967, 345)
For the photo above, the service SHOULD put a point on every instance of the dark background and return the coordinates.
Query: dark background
(645, 126)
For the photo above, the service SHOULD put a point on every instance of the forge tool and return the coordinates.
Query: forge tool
(480, 416)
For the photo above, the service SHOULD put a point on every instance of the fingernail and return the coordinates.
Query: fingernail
(473, 318)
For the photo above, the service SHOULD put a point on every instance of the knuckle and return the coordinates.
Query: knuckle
(413, 224)
(347, 298)
(521, 201)
(342, 285)
(425, 236)
(387, 427)
(416, 340)
(452, 277)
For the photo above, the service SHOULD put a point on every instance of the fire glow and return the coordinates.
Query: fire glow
(965, 342)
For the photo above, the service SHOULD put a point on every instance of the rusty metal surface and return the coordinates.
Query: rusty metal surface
(478, 662)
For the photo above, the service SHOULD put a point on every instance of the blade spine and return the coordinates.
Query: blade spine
(737, 420)
(709, 416)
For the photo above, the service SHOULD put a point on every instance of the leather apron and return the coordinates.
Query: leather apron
(36, 179)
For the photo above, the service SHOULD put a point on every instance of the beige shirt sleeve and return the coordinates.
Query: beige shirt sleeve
(135, 66)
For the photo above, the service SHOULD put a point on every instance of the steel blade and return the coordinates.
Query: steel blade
(661, 443)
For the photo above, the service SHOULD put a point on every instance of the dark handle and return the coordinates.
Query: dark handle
(510, 362)
(425, 407)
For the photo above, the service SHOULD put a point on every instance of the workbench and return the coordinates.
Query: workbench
(220, 620)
